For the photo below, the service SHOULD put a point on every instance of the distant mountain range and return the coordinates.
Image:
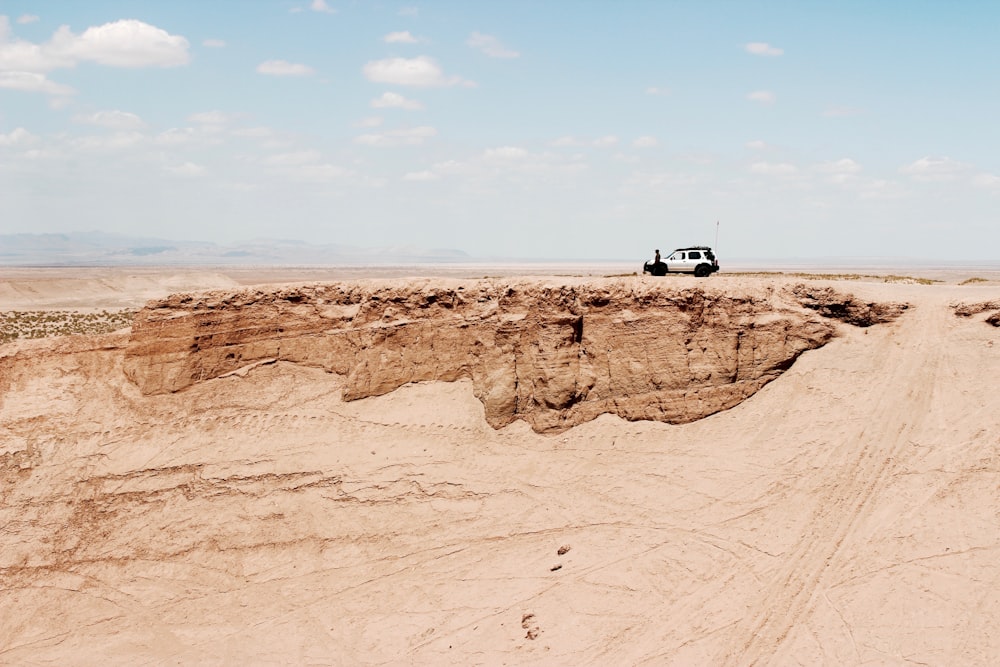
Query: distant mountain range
(102, 249)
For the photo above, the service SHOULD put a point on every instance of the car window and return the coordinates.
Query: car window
(676, 256)
(694, 255)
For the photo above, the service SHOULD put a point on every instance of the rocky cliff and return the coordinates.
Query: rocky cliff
(553, 353)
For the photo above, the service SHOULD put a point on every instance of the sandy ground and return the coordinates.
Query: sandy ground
(848, 513)
(95, 288)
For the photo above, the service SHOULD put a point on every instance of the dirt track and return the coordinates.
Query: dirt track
(847, 513)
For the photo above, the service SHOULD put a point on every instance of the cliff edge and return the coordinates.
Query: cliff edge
(555, 353)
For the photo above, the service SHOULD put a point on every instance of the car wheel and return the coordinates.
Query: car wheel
(701, 270)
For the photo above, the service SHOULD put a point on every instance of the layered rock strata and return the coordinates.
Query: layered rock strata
(554, 354)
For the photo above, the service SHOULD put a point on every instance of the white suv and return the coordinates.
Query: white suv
(699, 260)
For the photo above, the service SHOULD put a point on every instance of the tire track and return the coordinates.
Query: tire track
(868, 452)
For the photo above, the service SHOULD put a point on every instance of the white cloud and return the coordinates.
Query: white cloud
(44, 154)
(702, 159)
(214, 43)
(883, 189)
(567, 141)
(210, 118)
(763, 49)
(842, 166)
(403, 37)
(984, 180)
(490, 45)
(175, 136)
(116, 120)
(645, 142)
(395, 101)
(756, 145)
(511, 163)
(505, 153)
(516, 163)
(125, 43)
(657, 90)
(321, 6)
(259, 132)
(318, 173)
(419, 71)
(369, 121)
(24, 19)
(18, 55)
(762, 96)
(407, 137)
(294, 158)
(283, 68)
(276, 144)
(606, 142)
(186, 169)
(450, 167)
(33, 82)
(842, 112)
(113, 142)
(421, 176)
(773, 168)
(659, 181)
(928, 169)
(840, 171)
(18, 135)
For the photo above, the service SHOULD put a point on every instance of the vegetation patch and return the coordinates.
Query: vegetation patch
(19, 324)
(909, 280)
(973, 281)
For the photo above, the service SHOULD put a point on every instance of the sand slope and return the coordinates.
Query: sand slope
(847, 513)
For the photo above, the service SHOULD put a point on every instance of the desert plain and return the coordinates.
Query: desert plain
(479, 466)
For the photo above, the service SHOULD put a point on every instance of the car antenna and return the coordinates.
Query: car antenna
(716, 238)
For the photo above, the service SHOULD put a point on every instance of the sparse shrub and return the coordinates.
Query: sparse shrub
(838, 276)
(44, 324)
(909, 280)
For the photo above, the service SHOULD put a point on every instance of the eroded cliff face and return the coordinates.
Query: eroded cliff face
(554, 354)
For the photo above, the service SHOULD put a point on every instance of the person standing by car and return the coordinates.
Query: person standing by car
(699, 260)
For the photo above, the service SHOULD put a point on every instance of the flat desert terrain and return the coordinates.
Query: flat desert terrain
(604, 472)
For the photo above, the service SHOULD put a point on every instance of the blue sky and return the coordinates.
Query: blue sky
(556, 130)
